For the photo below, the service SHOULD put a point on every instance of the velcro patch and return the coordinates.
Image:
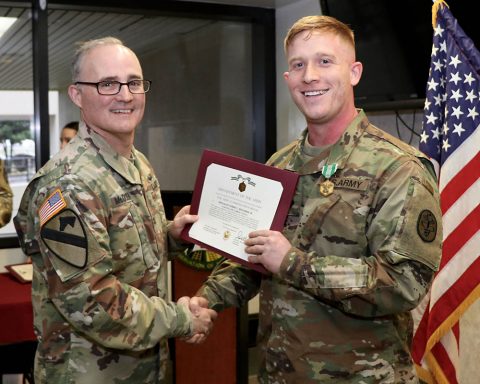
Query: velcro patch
(54, 204)
(65, 236)
(427, 226)
(351, 183)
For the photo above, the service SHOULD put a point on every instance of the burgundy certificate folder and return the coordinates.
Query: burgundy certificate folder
(234, 196)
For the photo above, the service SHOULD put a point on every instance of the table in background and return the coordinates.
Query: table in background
(17, 339)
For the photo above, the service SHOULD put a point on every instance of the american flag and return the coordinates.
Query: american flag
(451, 137)
(55, 203)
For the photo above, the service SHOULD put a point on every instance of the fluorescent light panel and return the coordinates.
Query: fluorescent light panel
(6, 23)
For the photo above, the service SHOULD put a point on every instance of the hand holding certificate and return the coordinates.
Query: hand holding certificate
(234, 197)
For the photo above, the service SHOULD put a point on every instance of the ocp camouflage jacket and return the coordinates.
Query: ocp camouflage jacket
(94, 224)
(361, 258)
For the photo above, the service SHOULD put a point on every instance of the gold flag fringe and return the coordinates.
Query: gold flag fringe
(435, 7)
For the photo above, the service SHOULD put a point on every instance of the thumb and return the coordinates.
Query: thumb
(196, 303)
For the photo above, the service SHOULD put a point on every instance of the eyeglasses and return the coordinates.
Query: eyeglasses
(112, 87)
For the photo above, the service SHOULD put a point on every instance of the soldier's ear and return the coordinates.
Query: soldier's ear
(75, 95)
(356, 72)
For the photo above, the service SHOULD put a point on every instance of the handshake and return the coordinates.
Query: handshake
(202, 318)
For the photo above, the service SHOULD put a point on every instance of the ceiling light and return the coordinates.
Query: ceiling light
(6, 23)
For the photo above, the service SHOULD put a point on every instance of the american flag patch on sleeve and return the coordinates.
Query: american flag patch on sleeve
(54, 204)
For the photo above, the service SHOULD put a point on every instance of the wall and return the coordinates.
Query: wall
(200, 99)
(290, 121)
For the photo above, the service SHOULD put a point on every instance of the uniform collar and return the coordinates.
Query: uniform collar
(125, 167)
(338, 153)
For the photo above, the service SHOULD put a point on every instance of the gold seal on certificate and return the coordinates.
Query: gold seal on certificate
(233, 197)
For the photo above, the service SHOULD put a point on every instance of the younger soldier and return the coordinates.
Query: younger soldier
(362, 239)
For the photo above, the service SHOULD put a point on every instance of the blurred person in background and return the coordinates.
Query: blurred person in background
(69, 131)
(6, 196)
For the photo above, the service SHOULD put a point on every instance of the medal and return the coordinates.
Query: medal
(326, 187)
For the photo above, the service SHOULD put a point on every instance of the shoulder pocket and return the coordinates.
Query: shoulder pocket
(66, 239)
(419, 230)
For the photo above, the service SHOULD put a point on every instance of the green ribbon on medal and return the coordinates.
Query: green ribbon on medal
(326, 187)
(328, 170)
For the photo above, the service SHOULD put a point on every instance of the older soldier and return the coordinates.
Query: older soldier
(5, 197)
(362, 239)
(93, 222)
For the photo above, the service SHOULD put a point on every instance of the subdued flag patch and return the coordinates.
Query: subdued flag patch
(54, 204)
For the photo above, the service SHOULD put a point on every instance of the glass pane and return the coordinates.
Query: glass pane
(201, 94)
(17, 147)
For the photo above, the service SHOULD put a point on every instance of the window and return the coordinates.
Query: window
(17, 146)
(211, 66)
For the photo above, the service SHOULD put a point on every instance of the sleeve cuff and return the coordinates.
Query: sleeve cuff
(184, 326)
(291, 269)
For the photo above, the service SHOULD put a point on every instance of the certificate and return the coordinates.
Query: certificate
(22, 272)
(233, 197)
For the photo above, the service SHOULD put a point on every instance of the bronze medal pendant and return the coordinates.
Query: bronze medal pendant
(326, 188)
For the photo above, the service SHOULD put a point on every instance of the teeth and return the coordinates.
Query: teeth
(121, 111)
(315, 93)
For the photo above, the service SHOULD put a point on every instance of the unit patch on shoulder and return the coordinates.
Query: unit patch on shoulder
(65, 236)
(54, 204)
(427, 226)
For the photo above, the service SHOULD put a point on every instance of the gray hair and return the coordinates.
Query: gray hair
(87, 46)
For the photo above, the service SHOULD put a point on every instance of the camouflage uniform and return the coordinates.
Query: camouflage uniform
(5, 197)
(361, 259)
(94, 224)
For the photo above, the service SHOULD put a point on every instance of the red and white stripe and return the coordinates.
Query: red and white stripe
(457, 283)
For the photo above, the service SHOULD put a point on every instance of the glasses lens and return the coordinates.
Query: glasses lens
(136, 86)
(139, 86)
(108, 87)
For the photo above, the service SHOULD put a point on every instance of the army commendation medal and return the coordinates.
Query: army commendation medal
(326, 187)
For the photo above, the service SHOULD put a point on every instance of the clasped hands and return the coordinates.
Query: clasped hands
(264, 247)
(202, 318)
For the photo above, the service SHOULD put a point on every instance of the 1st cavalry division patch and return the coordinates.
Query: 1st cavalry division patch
(65, 236)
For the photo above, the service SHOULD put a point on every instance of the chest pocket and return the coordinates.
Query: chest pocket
(334, 224)
(131, 249)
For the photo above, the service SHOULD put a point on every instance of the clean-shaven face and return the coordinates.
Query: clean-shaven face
(110, 115)
(321, 74)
